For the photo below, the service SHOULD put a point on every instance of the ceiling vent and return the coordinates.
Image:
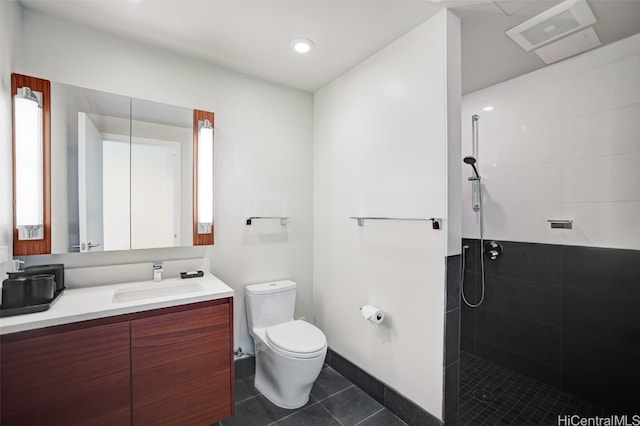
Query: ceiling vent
(569, 46)
(552, 24)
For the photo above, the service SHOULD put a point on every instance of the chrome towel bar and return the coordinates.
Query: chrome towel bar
(436, 222)
(283, 219)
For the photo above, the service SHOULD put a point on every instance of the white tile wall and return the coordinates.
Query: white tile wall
(524, 108)
(609, 224)
(597, 89)
(608, 132)
(605, 178)
(525, 145)
(538, 183)
(561, 143)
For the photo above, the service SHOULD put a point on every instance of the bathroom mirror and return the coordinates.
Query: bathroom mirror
(121, 172)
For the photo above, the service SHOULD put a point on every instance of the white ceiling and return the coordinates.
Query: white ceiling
(253, 36)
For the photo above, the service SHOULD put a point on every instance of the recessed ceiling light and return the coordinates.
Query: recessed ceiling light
(487, 108)
(302, 45)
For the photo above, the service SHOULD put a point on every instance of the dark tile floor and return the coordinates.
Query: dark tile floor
(511, 398)
(334, 401)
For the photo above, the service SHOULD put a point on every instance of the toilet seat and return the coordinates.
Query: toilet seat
(297, 339)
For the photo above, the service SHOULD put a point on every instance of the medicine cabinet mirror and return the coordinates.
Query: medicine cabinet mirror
(121, 172)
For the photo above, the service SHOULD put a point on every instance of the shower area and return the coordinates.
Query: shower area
(550, 263)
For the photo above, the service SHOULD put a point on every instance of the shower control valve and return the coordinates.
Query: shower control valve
(493, 249)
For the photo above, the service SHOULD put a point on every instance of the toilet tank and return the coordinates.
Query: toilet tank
(270, 303)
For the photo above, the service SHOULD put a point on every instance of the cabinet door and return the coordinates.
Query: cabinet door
(181, 367)
(79, 377)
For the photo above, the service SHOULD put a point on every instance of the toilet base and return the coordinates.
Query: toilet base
(284, 381)
(266, 393)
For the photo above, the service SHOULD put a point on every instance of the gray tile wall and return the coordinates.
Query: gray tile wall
(452, 342)
(566, 315)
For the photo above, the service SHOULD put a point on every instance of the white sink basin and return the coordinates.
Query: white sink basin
(154, 290)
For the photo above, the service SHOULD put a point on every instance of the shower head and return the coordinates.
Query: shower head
(472, 162)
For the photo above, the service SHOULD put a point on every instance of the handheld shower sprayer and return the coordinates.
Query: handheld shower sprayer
(475, 183)
(472, 162)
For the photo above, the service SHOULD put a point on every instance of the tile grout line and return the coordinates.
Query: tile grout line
(336, 393)
(247, 399)
(367, 418)
(331, 414)
(301, 409)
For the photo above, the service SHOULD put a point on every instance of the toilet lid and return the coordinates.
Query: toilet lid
(297, 336)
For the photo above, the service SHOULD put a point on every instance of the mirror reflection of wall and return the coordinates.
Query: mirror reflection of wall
(122, 172)
(90, 182)
(116, 195)
(155, 194)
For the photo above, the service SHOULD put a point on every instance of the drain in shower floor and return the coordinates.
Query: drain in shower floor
(483, 395)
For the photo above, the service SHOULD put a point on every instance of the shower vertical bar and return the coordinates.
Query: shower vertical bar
(474, 136)
(475, 182)
(476, 196)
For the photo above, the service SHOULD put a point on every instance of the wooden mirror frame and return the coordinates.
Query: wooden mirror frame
(199, 239)
(43, 246)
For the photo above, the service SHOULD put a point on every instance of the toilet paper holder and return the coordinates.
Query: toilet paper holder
(372, 313)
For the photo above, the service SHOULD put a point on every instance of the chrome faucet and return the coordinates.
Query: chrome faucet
(158, 269)
(493, 249)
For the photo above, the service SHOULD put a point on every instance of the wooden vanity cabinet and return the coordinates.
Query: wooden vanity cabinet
(170, 366)
(69, 378)
(180, 367)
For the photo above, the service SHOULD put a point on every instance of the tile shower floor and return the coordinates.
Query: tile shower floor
(512, 398)
(334, 401)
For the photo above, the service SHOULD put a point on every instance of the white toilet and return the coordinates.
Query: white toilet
(289, 353)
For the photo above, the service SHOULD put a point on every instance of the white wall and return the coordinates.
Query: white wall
(263, 151)
(10, 57)
(454, 134)
(561, 143)
(380, 149)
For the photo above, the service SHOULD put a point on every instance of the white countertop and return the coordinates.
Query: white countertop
(81, 304)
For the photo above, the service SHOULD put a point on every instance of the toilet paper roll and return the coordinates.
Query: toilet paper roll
(372, 313)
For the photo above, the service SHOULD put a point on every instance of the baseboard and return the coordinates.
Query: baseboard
(405, 409)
